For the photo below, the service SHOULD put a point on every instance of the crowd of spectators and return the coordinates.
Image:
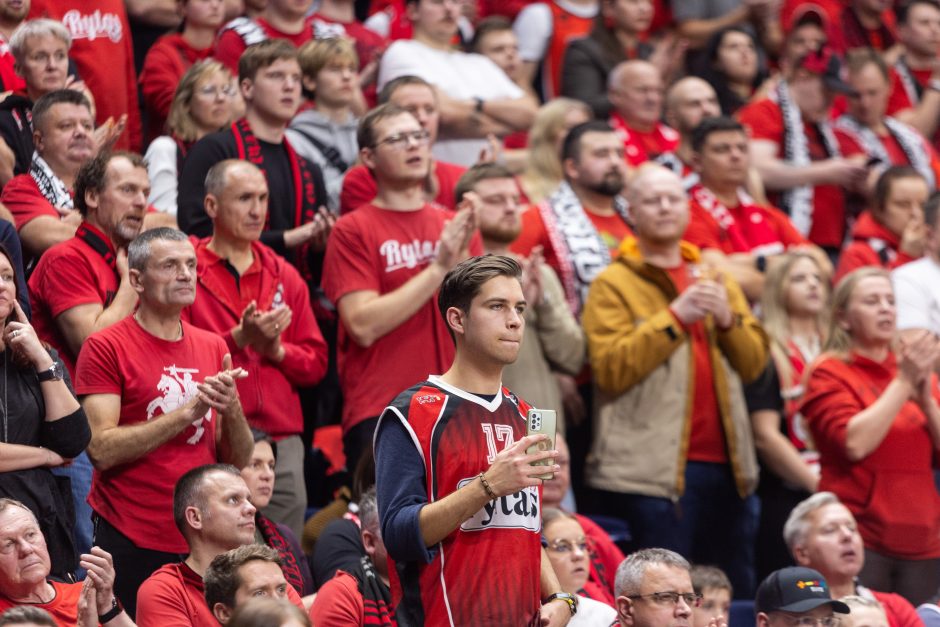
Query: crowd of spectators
(281, 279)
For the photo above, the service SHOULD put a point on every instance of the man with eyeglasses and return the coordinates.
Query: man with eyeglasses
(382, 270)
(269, 79)
(797, 597)
(654, 589)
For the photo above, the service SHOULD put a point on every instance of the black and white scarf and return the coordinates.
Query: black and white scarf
(672, 161)
(912, 88)
(50, 186)
(581, 251)
(910, 141)
(798, 201)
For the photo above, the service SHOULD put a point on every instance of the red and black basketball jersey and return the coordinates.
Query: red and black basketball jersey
(487, 571)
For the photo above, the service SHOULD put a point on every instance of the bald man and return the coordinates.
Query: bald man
(635, 90)
(665, 340)
(688, 102)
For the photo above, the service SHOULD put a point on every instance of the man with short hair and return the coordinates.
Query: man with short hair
(269, 78)
(459, 497)
(260, 305)
(476, 97)
(915, 82)
(654, 589)
(796, 153)
(917, 284)
(212, 510)
(666, 343)
(25, 566)
(41, 200)
(581, 225)
(238, 575)
(796, 593)
(161, 398)
(635, 90)
(821, 533)
(494, 38)
(382, 269)
(418, 97)
(688, 101)
(361, 590)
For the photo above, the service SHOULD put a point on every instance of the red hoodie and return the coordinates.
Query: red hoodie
(164, 66)
(872, 245)
(269, 393)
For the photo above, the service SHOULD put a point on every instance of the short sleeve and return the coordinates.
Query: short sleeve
(66, 282)
(763, 394)
(763, 120)
(359, 188)
(97, 370)
(533, 28)
(348, 266)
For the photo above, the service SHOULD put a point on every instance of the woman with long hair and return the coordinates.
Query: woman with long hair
(871, 404)
(204, 102)
(794, 307)
(543, 173)
(734, 65)
(41, 426)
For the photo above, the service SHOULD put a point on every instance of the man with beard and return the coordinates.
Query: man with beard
(553, 341)
(688, 101)
(581, 225)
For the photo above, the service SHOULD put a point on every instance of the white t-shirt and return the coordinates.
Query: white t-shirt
(533, 26)
(161, 170)
(592, 613)
(917, 294)
(460, 75)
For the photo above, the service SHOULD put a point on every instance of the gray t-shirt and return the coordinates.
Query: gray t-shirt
(683, 10)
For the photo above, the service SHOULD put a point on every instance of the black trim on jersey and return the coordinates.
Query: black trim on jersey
(437, 432)
(410, 610)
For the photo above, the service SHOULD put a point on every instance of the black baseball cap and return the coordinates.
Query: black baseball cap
(795, 589)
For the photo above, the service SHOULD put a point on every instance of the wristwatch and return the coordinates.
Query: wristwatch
(570, 599)
(116, 608)
(52, 373)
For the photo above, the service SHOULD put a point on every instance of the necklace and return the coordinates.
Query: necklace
(137, 318)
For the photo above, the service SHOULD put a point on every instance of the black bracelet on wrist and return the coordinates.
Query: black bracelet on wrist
(116, 608)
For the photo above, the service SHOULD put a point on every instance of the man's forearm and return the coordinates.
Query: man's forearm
(118, 445)
(121, 307)
(517, 113)
(235, 442)
(698, 31)
(441, 518)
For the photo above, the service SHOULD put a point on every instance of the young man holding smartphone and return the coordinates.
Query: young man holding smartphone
(459, 501)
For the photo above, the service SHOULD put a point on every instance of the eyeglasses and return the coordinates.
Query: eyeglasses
(566, 546)
(211, 91)
(400, 140)
(672, 598)
(810, 621)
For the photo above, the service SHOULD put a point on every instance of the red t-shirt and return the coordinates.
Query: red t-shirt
(229, 45)
(68, 275)
(872, 245)
(359, 186)
(102, 50)
(707, 442)
(164, 66)
(380, 250)
(746, 228)
(369, 44)
(899, 100)
(22, 197)
(9, 79)
(153, 377)
(764, 120)
(63, 607)
(849, 144)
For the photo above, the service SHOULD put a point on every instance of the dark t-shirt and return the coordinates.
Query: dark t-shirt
(338, 547)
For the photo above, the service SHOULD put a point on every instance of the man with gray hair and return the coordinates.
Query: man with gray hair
(654, 589)
(635, 90)
(160, 397)
(821, 533)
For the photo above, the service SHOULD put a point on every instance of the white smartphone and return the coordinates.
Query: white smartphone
(542, 421)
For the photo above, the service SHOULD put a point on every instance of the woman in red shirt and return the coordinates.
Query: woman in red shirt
(872, 411)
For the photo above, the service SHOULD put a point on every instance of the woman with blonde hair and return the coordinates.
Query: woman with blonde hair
(204, 102)
(871, 405)
(794, 305)
(543, 173)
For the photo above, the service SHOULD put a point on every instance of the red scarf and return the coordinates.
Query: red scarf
(273, 538)
(641, 147)
(746, 228)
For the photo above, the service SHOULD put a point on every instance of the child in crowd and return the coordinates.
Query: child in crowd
(715, 588)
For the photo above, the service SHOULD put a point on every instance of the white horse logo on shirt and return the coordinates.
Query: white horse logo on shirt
(178, 388)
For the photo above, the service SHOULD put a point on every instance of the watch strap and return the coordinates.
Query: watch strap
(52, 373)
(116, 608)
(570, 599)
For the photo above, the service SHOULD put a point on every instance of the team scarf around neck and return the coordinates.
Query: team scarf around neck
(751, 234)
(798, 201)
(376, 596)
(672, 161)
(912, 88)
(274, 539)
(911, 144)
(636, 153)
(50, 186)
(580, 249)
(98, 244)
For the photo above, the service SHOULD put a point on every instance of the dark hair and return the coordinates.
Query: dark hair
(903, 9)
(390, 87)
(604, 33)
(257, 435)
(464, 281)
(728, 100)
(265, 612)
(221, 578)
(93, 174)
(490, 24)
(477, 173)
(365, 134)
(931, 209)
(25, 614)
(188, 491)
(138, 252)
(709, 578)
(886, 181)
(713, 125)
(59, 96)
(261, 55)
(571, 147)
